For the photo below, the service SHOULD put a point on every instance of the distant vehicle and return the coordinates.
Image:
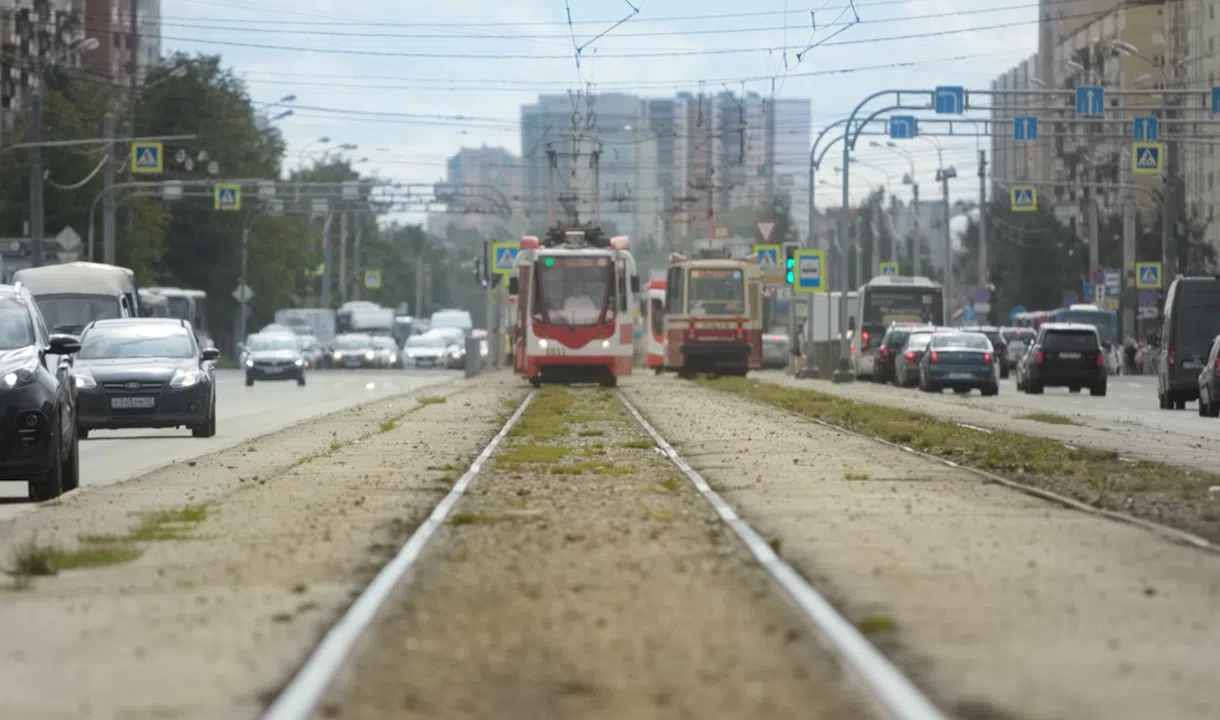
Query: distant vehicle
(353, 350)
(191, 306)
(906, 362)
(890, 347)
(457, 319)
(1065, 355)
(72, 295)
(311, 351)
(387, 351)
(962, 361)
(713, 315)
(38, 397)
(153, 305)
(1191, 319)
(274, 356)
(404, 327)
(1104, 321)
(776, 350)
(319, 322)
(145, 373)
(886, 300)
(426, 349)
(1209, 382)
(998, 342)
(1019, 339)
(277, 329)
(653, 337)
(1032, 320)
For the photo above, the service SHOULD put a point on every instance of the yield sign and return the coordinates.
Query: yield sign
(765, 228)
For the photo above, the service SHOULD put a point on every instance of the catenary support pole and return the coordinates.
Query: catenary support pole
(917, 243)
(108, 209)
(948, 252)
(345, 221)
(36, 214)
(983, 219)
(327, 262)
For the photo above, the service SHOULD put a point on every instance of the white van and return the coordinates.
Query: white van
(453, 319)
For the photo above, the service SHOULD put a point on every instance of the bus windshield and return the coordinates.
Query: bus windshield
(1102, 320)
(716, 292)
(71, 313)
(884, 306)
(574, 290)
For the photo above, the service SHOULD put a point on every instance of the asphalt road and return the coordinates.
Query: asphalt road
(111, 456)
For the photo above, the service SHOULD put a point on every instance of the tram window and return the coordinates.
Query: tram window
(717, 292)
(673, 291)
(658, 316)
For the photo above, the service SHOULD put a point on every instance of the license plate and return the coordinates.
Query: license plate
(1192, 365)
(1070, 356)
(961, 376)
(132, 403)
(272, 370)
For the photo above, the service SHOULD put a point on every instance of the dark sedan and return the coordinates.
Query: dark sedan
(906, 360)
(962, 361)
(145, 373)
(274, 357)
(999, 345)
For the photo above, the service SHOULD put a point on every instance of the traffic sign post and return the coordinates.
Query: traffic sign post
(1090, 100)
(889, 269)
(147, 158)
(372, 279)
(1145, 128)
(811, 273)
(1023, 198)
(1025, 128)
(950, 100)
(1148, 275)
(243, 294)
(1147, 158)
(227, 197)
(768, 259)
(504, 256)
(903, 127)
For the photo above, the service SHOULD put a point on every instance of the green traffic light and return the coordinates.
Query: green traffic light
(791, 263)
(790, 276)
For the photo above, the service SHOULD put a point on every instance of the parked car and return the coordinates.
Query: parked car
(1065, 355)
(274, 356)
(145, 373)
(37, 399)
(906, 361)
(962, 361)
(891, 343)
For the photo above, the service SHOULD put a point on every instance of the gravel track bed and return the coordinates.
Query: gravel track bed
(1001, 605)
(583, 577)
(212, 618)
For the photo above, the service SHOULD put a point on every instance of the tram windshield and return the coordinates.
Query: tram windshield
(716, 291)
(574, 290)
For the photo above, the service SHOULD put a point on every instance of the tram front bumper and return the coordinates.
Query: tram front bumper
(715, 353)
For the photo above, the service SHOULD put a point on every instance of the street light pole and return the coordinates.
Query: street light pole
(944, 175)
(35, 138)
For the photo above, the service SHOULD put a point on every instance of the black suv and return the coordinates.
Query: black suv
(1066, 355)
(890, 347)
(999, 343)
(38, 442)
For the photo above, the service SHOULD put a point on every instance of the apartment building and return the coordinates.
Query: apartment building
(1194, 39)
(125, 49)
(1013, 160)
(35, 34)
(483, 179)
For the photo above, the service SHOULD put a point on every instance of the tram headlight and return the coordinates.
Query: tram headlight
(542, 344)
(605, 343)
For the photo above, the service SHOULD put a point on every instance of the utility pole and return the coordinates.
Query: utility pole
(357, 263)
(1129, 298)
(133, 39)
(108, 200)
(917, 244)
(944, 180)
(982, 218)
(35, 135)
(326, 262)
(344, 221)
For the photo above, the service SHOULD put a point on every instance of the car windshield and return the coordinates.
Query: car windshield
(16, 330)
(260, 343)
(71, 313)
(895, 338)
(918, 341)
(353, 342)
(162, 341)
(969, 341)
(425, 341)
(1082, 341)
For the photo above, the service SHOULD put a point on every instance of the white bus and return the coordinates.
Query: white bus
(885, 300)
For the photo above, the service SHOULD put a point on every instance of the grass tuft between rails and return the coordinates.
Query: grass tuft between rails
(1155, 491)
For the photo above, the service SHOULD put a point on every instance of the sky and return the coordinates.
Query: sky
(410, 82)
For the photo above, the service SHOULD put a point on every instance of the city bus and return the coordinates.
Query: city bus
(885, 300)
(1106, 321)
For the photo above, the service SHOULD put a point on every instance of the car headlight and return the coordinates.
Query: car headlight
(85, 382)
(249, 363)
(20, 377)
(338, 355)
(393, 357)
(185, 379)
(300, 362)
(370, 355)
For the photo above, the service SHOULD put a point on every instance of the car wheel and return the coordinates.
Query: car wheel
(1074, 389)
(1098, 390)
(82, 433)
(1179, 403)
(301, 380)
(71, 469)
(249, 381)
(1163, 400)
(1035, 388)
(207, 428)
(1203, 409)
(1213, 409)
(50, 485)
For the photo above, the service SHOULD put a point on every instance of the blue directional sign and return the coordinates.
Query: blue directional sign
(903, 127)
(1145, 128)
(1014, 312)
(1148, 275)
(1025, 127)
(1090, 100)
(810, 271)
(505, 256)
(1216, 100)
(1023, 198)
(950, 100)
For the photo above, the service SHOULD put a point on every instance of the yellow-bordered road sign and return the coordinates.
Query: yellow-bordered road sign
(1147, 158)
(1023, 198)
(228, 197)
(147, 158)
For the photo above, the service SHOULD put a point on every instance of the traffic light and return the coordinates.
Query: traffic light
(790, 263)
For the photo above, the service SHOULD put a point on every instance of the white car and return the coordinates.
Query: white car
(429, 350)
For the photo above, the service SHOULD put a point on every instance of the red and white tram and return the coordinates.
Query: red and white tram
(575, 308)
(713, 316)
(653, 337)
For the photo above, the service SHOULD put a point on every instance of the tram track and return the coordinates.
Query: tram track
(699, 606)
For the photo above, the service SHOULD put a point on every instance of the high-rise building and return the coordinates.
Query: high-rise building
(125, 50)
(1197, 52)
(789, 137)
(35, 34)
(1014, 161)
(482, 180)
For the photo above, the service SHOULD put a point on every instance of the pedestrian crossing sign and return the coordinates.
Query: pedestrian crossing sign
(372, 279)
(228, 197)
(889, 269)
(1146, 158)
(1148, 275)
(1024, 198)
(147, 158)
(504, 255)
